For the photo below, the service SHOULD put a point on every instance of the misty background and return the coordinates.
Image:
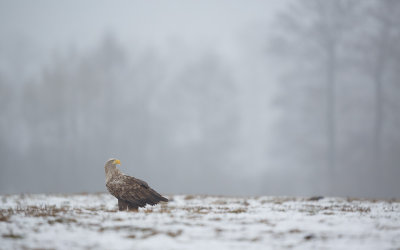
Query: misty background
(214, 97)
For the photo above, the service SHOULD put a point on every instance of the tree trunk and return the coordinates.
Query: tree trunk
(330, 112)
(378, 123)
(378, 82)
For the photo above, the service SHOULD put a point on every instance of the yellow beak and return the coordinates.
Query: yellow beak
(117, 162)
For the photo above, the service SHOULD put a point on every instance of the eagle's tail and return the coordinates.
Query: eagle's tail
(163, 199)
(157, 197)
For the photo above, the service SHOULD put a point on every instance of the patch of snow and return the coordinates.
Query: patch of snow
(198, 222)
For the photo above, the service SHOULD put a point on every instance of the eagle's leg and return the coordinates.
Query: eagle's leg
(132, 208)
(122, 205)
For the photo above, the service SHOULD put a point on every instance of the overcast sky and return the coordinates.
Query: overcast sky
(53, 23)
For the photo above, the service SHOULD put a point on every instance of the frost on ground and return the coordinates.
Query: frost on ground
(198, 222)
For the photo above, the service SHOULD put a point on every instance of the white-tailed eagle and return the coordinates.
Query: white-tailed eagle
(131, 193)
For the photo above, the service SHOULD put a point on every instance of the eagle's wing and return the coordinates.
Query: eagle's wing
(136, 191)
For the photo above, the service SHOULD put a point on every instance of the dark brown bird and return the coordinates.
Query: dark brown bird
(131, 193)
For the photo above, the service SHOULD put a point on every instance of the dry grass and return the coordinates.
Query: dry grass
(238, 210)
(5, 214)
(312, 209)
(220, 202)
(295, 231)
(309, 237)
(315, 198)
(42, 211)
(12, 235)
(174, 234)
(62, 220)
(189, 197)
(278, 200)
(266, 222)
(146, 232)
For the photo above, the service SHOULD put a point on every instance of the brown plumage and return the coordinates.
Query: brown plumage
(131, 193)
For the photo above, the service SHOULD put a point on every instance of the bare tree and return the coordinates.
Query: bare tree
(379, 48)
(313, 34)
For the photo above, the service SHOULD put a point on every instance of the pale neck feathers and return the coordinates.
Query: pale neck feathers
(111, 171)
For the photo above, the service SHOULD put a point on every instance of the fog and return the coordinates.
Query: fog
(214, 97)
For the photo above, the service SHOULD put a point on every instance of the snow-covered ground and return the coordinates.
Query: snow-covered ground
(198, 222)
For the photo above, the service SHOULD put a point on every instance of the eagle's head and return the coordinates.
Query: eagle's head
(111, 167)
(113, 162)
